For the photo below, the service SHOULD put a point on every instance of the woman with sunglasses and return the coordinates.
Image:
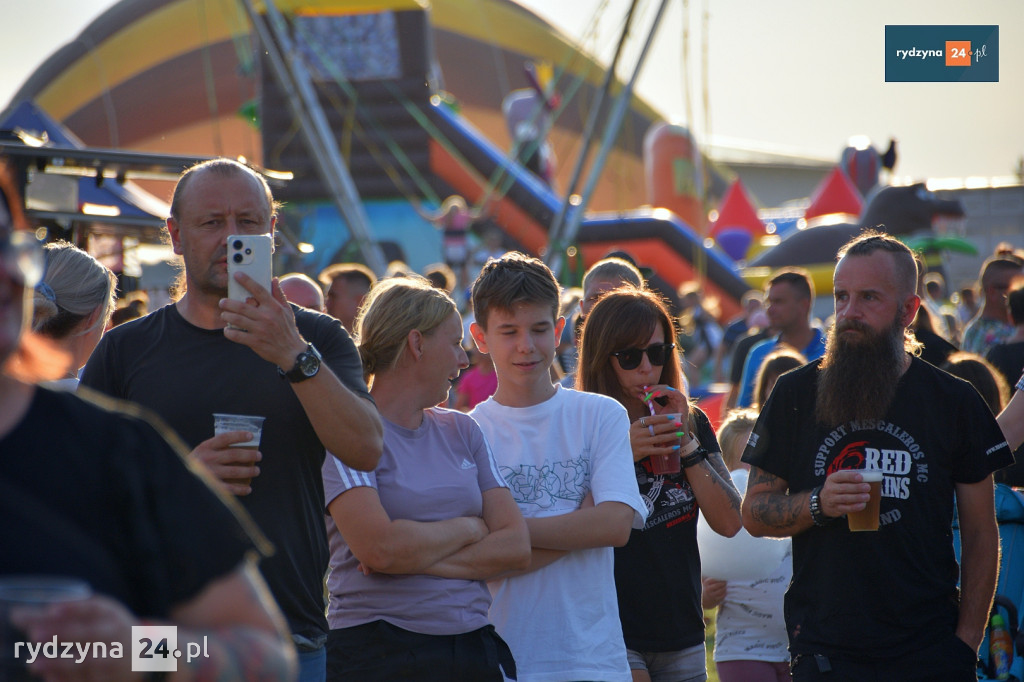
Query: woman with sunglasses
(628, 352)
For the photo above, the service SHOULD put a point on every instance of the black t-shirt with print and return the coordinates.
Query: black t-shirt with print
(657, 573)
(878, 595)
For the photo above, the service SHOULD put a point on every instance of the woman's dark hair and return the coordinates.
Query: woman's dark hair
(623, 318)
(981, 374)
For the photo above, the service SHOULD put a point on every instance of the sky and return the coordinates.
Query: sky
(792, 76)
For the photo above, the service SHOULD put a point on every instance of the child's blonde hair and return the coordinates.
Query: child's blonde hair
(732, 435)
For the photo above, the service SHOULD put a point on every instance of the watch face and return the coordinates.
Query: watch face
(309, 364)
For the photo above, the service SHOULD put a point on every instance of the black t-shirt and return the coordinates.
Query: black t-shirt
(185, 374)
(879, 595)
(99, 495)
(657, 573)
(1008, 358)
(740, 352)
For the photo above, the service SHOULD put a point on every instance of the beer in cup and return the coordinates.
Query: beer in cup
(867, 518)
(223, 423)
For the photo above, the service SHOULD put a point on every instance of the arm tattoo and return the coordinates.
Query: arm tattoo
(758, 476)
(724, 480)
(777, 510)
(774, 508)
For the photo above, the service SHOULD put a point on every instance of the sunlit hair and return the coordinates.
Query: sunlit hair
(614, 270)
(732, 435)
(441, 276)
(74, 285)
(772, 367)
(398, 268)
(798, 278)
(350, 272)
(393, 308)
(510, 280)
(996, 265)
(981, 374)
(623, 318)
(224, 168)
(870, 241)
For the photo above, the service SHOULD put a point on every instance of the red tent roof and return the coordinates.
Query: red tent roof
(835, 194)
(737, 211)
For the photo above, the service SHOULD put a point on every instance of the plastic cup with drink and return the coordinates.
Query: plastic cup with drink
(669, 463)
(20, 593)
(223, 423)
(867, 518)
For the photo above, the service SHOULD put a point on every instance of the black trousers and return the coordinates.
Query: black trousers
(382, 651)
(948, 660)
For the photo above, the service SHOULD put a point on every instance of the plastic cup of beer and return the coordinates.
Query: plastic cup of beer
(867, 518)
(223, 423)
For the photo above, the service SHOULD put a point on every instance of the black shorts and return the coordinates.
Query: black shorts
(382, 651)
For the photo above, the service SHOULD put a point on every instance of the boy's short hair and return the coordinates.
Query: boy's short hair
(514, 278)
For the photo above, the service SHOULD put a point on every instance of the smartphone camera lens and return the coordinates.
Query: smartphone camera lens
(237, 258)
(248, 252)
(237, 244)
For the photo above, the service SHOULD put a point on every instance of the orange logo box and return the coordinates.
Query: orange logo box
(958, 53)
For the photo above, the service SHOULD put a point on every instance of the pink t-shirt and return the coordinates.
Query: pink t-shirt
(477, 386)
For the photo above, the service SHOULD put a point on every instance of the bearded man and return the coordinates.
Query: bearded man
(880, 605)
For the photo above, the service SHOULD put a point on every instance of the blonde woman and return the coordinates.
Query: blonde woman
(413, 541)
(72, 305)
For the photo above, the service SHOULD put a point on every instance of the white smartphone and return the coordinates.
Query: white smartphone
(251, 254)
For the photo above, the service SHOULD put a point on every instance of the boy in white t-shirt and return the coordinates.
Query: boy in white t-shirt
(566, 458)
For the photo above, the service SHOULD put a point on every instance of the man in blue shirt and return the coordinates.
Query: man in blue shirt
(790, 295)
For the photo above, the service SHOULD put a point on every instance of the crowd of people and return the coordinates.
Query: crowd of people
(403, 515)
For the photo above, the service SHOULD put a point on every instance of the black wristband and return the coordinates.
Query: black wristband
(694, 458)
(817, 513)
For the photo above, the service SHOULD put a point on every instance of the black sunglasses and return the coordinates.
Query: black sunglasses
(631, 358)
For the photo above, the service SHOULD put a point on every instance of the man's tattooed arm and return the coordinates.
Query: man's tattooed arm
(770, 510)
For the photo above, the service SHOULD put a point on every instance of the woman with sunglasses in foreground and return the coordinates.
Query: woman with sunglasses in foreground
(628, 352)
